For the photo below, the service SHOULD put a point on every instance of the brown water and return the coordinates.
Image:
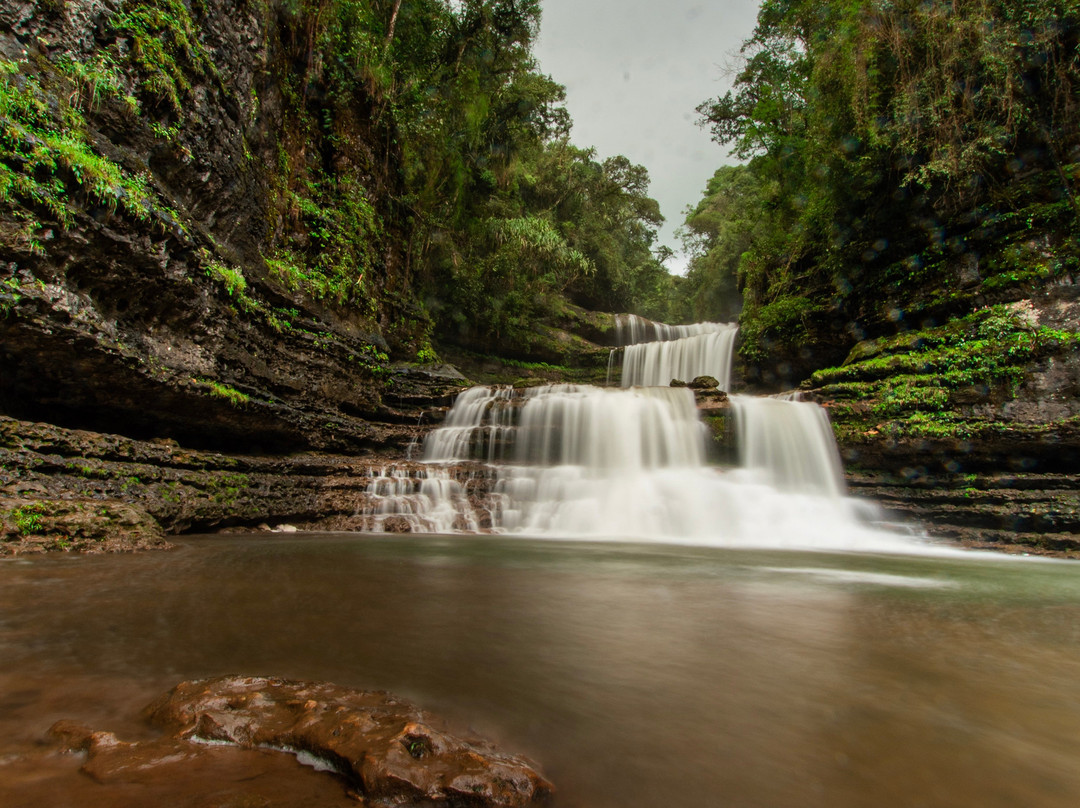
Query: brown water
(636, 676)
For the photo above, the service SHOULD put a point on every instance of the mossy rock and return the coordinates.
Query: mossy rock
(76, 525)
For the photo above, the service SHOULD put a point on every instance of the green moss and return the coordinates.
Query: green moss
(990, 347)
(235, 285)
(45, 157)
(426, 355)
(913, 379)
(28, 519)
(164, 47)
(219, 390)
(225, 489)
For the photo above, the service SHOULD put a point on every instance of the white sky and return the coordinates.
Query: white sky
(635, 70)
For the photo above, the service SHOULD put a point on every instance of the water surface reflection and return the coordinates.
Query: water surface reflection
(636, 675)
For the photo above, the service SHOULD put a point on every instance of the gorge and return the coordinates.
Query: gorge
(320, 298)
(225, 301)
(628, 463)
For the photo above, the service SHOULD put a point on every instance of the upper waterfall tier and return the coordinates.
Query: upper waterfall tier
(633, 330)
(656, 353)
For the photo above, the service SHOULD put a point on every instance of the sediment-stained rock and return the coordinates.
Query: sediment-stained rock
(76, 525)
(388, 749)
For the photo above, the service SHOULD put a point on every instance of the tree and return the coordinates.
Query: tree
(902, 153)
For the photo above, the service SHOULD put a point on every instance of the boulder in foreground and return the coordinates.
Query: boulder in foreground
(387, 748)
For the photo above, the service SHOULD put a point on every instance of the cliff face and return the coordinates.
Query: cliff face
(202, 242)
(155, 218)
(208, 301)
(972, 427)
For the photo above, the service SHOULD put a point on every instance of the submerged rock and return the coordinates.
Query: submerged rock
(387, 749)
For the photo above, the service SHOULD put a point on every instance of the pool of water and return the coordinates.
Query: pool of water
(636, 676)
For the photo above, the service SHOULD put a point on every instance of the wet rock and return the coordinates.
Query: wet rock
(711, 401)
(71, 736)
(76, 491)
(230, 735)
(121, 325)
(37, 525)
(168, 771)
(388, 748)
(110, 760)
(396, 524)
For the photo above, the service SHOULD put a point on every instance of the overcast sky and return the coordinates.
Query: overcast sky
(635, 70)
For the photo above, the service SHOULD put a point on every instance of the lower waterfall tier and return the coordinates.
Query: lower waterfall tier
(570, 461)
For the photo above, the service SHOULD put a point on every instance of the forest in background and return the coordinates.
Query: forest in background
(398, 132)
(261, 226)
(906, 162)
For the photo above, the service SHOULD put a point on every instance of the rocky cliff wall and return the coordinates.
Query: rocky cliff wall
(972, 428)
(151, 155)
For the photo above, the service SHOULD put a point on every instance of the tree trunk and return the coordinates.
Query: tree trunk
(392, 25)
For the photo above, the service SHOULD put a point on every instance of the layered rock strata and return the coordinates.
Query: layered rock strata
(78, 491)
(971, 428)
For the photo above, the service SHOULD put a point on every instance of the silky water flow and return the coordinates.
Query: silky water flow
(628, 462)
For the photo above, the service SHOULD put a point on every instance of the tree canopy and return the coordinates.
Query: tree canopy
(906, 160)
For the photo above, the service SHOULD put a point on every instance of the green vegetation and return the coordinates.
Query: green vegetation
(96, 80)
(226, 488)
(232, 279)
(916, 382)
(906, 161)
(28, 519)
(219, 390)
(418, 176)
(150, 52)
(46, 158)
(162, 41)
(10, 295)
(502, 219)
(427, 355)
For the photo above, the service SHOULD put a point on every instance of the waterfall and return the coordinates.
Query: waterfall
(656, 353)
(474, 428)
(576, 461)
(418, 500)
(789, 443)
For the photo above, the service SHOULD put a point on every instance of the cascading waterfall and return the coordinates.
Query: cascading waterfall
(475, 427)
(424, 501)
(789, 443)
(656, 353)
(576, 461)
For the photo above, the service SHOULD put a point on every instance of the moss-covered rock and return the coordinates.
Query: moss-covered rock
(76, 526)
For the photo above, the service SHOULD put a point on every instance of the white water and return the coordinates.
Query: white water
(789, 444)
(571, 461)
(656, 353)
(428, 501)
